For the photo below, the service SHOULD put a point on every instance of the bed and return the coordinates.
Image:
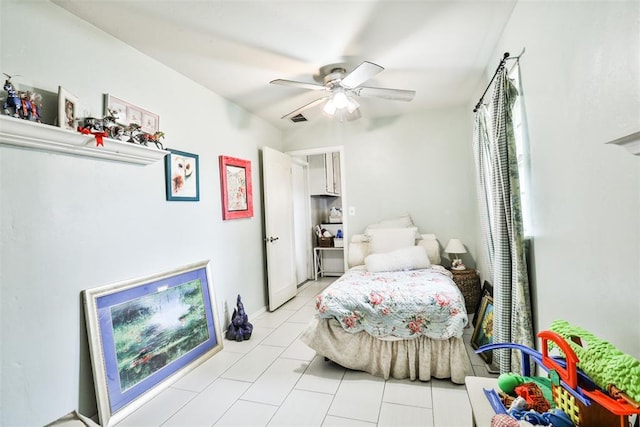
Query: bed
(396, 313)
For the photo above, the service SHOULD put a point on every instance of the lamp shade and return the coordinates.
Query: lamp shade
(455, 246)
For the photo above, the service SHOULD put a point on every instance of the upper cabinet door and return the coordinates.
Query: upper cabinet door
(324, 174)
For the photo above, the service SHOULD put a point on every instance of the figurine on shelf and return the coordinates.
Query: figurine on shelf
(30, 108)
(24, 105)
(108, 127)
(12, 103)
(154, 139)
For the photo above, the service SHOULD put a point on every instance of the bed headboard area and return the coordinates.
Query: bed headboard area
(390, 236)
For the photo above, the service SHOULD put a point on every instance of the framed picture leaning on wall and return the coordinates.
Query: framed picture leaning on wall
(146, 333)
(487, 290)
(483, 332)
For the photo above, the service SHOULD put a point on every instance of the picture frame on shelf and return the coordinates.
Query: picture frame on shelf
(67, 109)
(483, 331)
(127, 113)
(146, 333)
(487, 289)
(182, 176)
(236, 188)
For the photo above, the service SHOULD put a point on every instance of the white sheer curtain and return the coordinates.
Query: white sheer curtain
(499, 202)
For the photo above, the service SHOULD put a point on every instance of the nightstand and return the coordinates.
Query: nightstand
(468, 282)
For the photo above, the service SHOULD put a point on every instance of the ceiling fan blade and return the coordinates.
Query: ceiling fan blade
(305, 107)
(360, 74)
(302, 85)
(381, 92)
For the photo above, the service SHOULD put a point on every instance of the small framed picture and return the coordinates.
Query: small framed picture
(487, 290)
(127, 113)
(67, 109)
(237, 189)
(134, 116)
(182, 176)
(483, 332)
(146, 333)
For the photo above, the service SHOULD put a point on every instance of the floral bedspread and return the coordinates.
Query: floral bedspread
(402, 304)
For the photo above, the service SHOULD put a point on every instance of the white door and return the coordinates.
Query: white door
(278, 214)
(301, 221)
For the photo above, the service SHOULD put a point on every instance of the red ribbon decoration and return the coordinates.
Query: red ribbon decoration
(98, 135)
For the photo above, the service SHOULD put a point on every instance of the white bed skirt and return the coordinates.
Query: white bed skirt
(419, 358)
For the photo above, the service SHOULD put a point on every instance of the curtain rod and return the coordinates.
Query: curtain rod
(504, 59)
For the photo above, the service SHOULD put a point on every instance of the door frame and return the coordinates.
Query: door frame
(305, 210)
(343, 189)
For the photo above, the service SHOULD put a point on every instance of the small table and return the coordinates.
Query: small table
(481, 409)
(318, 267)
(468, 282)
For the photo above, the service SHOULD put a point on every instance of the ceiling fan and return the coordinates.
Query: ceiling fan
(342, 87)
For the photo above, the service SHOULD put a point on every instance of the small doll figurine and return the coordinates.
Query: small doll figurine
(457, 264)
(13, 103)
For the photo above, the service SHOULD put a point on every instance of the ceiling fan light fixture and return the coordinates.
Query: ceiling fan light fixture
(330, 107)
(340, 100)
(352, 105)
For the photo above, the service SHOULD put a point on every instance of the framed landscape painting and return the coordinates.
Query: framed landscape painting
(146, 333)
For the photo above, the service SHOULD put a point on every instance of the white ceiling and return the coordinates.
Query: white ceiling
(437, 48)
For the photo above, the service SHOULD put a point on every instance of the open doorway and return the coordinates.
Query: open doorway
(320, 199)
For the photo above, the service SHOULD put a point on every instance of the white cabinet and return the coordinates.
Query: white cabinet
(324, 174)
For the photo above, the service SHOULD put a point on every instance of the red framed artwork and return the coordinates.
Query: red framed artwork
(237, 190)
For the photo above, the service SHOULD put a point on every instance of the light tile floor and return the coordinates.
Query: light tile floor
(274, 379)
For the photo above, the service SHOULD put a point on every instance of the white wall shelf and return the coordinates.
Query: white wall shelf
(37, 136)
(631, 142)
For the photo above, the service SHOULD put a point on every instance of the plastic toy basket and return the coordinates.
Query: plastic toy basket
(586, 404)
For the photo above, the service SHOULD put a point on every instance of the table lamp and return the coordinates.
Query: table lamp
(456, 247)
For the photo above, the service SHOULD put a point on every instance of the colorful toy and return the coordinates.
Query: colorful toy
(573, 391)
(532, 394)
(509, 382)
(606, 365)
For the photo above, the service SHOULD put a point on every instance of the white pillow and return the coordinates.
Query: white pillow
(431, 245)
(402, 221)
(358, 251)
(410, 258)
(383, 240)
(359, 238)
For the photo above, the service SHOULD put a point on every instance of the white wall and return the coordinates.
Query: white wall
(420, 164)
(581, 77)
(70, 223)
